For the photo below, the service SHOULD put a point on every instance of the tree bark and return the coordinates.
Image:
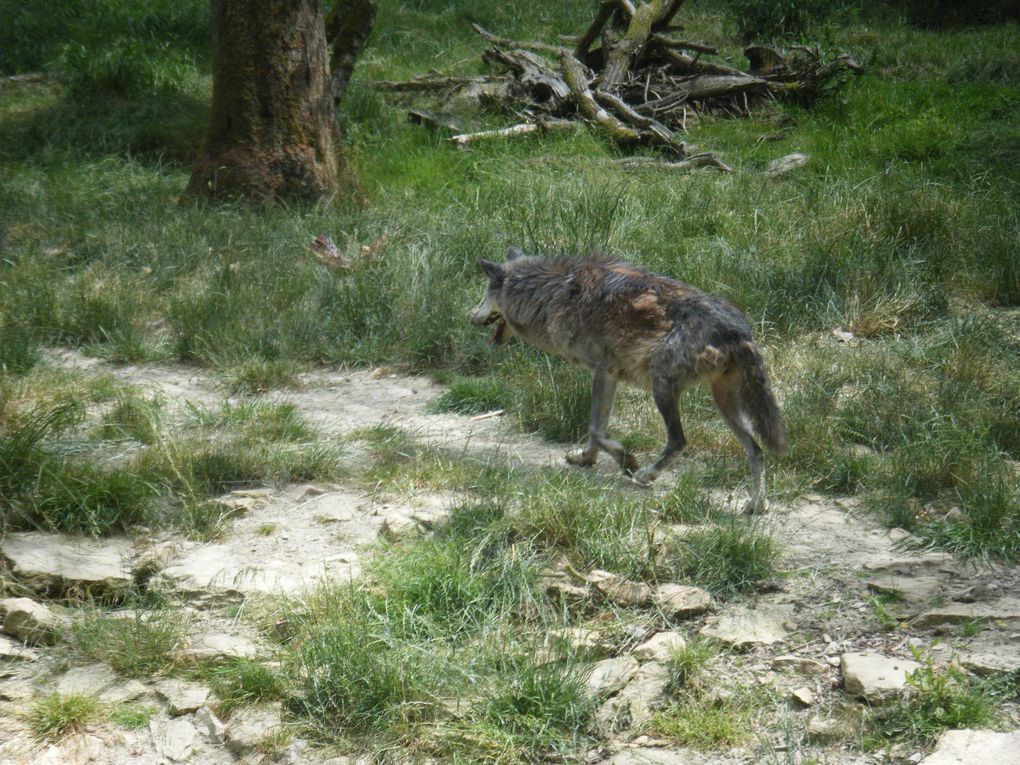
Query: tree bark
(272, 129)
(347, 28)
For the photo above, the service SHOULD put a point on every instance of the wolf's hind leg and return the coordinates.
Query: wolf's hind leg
(603, 392)
(726, 392)
(666, 394)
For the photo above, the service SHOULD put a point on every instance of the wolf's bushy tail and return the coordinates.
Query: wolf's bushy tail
(757, 397)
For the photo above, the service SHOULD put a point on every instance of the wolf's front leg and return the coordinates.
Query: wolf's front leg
(603, 392)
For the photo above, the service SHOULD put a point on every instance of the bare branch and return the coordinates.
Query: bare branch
(526, 128)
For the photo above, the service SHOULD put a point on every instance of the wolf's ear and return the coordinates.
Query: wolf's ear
(512, 253)
(494, 271)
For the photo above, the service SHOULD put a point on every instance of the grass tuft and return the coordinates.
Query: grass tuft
(135, 643)
(56, 716)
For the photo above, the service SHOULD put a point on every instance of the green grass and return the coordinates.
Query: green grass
(56, 716)
(132, 717)
(138, 644)
(244, 681)
(58, 472)
(698, 715)
(937, 699)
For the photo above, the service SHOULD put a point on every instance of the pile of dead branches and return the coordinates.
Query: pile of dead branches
(629, 75)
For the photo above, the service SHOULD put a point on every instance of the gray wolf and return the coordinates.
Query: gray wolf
(628, 325)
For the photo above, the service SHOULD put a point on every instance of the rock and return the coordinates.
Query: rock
(744, 627)
(635, 704)
(174, 739)
(912, 589)
(90, 680)
(123, 692)
(874, 677)
(785, 164)
(83, 748)
(210, 726)
(100, 681)
(620, 591)
(396, 527)
(680, 601)
(250, 726)
(646, 692)
(799, 664)
(579, 641)
(12, 649)
(1004, 612)
(803, 696)
(610, 675)
(649, 757)
(215, 645)
(989, 655)
(970, 747)
(659, 647)
(831, 730)
(54, 563)
(181, 697)
(892, 564)
(28, 621)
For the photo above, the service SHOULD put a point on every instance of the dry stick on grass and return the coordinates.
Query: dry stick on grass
(525, 128)
(435, 82)
(705, 159)
(505, 42)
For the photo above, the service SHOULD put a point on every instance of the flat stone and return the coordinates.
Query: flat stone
(680, 601)
(173, 739)
(803, 696)
(12, 649)
(831, 730)
(28, 621)
(620, 591)
(90, 680)
(210, 726)
(971, 747)
(875, 677)
(216, 645)
(249, 727)
(610, 675)
(799, 664)
(54, 563)
(649, 757)
(904, 564)
(659, 646)
(646, 692)
(123, 692)
(638, 701)
(912, 589)
(745, 627)
(1004, 612)
(581, 642)
(181, 697)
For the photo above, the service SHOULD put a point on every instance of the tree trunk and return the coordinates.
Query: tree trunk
(272, 131)
(347, 27)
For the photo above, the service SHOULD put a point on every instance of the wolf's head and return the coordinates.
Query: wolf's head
(489, 310)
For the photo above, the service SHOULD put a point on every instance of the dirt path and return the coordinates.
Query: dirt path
(836, 559)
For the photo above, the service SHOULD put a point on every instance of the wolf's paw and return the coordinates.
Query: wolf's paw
(645, 475)
(580, 457)
(754, 506)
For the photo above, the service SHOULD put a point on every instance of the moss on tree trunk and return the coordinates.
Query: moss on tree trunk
(272, 131)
